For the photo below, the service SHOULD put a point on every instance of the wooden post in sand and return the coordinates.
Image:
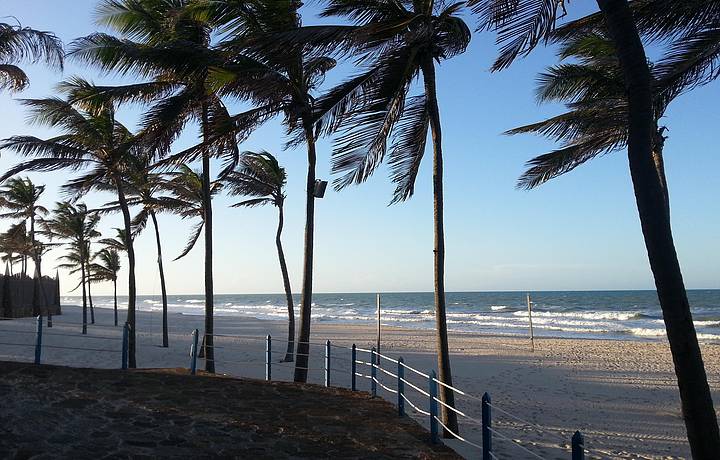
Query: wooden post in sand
(532, 338)
(377, 300)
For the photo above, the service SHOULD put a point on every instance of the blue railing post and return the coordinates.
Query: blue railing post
(433, 390)
(194, 352)
(38, 339)
(578, 446)
(268, 358)
(401, 387)
(125, 340)
(327, 363)
(373, 373)
(353, 368)
(486, 426)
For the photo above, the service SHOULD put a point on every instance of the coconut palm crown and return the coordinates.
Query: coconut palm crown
(23, 44)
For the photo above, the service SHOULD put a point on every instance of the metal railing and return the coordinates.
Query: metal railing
(91, 343)
(400, 382)
(398, 386)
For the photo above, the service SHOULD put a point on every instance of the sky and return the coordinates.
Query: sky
(578, 232)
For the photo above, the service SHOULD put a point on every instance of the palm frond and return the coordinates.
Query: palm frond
(408, 147)
(13, 78)
(194, 236)
(520, 24)
(26, 44)
(361, 146)
(558, 162)
(691, 61)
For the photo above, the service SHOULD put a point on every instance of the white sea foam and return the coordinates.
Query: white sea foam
(614, 315)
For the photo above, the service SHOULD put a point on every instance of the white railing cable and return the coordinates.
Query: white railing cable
(455, 435)
(385, 371)
(452, 408)
(422, 374)
(414, 406)
(381, 384)
(419, 390)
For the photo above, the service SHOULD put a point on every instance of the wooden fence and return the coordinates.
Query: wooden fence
(16, 296)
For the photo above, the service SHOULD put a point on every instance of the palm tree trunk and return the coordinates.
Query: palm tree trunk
(288, 290)
(696, 401)
(89, 274)
(132, 361)
(162, 281)
(657, 154)
(303, 346)
(443, 351)
(115, 298)
(207, 209)
(36, 262)
(82, 281)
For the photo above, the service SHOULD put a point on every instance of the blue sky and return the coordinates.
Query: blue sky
(580, 231)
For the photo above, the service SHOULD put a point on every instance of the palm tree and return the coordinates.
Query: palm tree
(397, 42)
(23, 44)
(187, 189)
(278, 80)
(173, 49)
(143, 185)
(106, 269)
(261, 178)
(524, 24)
(20, 197)
(17, 246)
(74, 226)
(91, 139)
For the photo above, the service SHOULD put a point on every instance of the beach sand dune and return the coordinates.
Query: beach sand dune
(621, 394)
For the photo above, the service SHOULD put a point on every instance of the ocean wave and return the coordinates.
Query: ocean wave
(647, 332)
(611, 315)
(498, 307)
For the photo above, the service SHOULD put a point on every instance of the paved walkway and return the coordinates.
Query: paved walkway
(50, 412)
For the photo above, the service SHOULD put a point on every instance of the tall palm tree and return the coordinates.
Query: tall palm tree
(106, 268)
(172, 48)
(186, 188)
(261, 178)
(143, 186)
(74, 226)
(278, 80)
(92, 140)
(522, 25)
(20, 198)
(17, 246)
(397, 42)
(23, 44)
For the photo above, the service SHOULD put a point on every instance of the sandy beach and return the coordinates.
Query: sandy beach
(621, 394)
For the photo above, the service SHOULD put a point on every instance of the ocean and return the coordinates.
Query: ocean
(633, 315)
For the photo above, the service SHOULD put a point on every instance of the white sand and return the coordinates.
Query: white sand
(622, 395)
